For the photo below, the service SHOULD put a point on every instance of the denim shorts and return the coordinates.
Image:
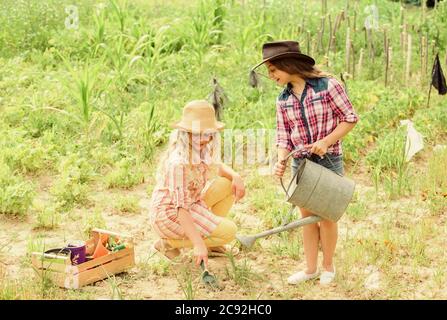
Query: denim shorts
(336, 165)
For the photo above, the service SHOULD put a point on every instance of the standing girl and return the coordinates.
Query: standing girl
(188, 209)
(313, 114)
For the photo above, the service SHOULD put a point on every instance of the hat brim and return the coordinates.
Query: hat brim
(300, 56)
(180, 125)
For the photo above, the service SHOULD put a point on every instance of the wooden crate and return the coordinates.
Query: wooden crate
(64, 274)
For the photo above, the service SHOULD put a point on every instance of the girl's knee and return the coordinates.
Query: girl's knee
(219, 189)
(229, 229)
(223, 185)
(328, 224)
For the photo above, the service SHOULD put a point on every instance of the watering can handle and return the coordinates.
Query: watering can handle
(294, 176)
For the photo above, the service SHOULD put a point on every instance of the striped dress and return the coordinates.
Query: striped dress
(182, 187)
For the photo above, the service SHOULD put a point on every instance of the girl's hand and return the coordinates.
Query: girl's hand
(280, 168)
(201, 253)
(320, 147)
(238, 187)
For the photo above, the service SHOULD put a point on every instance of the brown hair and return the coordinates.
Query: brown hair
(302, 68)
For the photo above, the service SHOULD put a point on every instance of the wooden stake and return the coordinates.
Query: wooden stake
(390, 63)
(369, 34)
(423, 12)
(387, 58)
(423, 58)
(402, 15)
(405, 43)
(347, 50)
(304, 16)
(353, 58)
(321, 34)
(359, 66)
(334, 44)
(429, 93)
(324, 7)
(308, 42)
(330, 35)
(408, 65)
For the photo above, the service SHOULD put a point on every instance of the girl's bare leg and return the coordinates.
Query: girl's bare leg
(311, 236)
(329, 234)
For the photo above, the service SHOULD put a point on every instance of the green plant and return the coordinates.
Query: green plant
(125, 175)
(188, 283)
(157, 266)
(116, 293)
(434, 183)
(16, 194)
(241, 272)
(388, 163)
(127, 204)
(48, 217)
(287, 245)
(357, 209)
(93, 220)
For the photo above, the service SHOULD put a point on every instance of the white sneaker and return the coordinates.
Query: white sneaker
(327, 277)
(301, 276)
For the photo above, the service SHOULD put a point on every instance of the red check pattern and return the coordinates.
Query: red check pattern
(325, 105)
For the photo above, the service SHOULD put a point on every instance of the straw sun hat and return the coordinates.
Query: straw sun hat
(198, 117)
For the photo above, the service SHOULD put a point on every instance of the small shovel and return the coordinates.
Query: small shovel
(208, 278)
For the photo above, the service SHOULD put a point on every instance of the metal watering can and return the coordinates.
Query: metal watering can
(317, 189)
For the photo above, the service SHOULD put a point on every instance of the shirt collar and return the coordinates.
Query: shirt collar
(311, 82)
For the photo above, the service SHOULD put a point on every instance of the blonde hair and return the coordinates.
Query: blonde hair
(181, 150)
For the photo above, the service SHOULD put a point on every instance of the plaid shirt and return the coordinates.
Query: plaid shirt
(324, 103)
(183, 187)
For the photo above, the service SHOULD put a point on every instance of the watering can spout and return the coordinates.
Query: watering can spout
(248, 241)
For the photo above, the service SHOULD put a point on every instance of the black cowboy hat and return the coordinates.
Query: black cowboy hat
(282, 49)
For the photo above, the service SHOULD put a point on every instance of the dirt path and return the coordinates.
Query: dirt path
(259, 274)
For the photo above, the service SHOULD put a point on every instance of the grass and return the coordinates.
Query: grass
(127, 205)
(16, 194)
(48, 218)
(188, 283)
(90, 108)
(434, 183)
(241, 272)
(125, 176)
